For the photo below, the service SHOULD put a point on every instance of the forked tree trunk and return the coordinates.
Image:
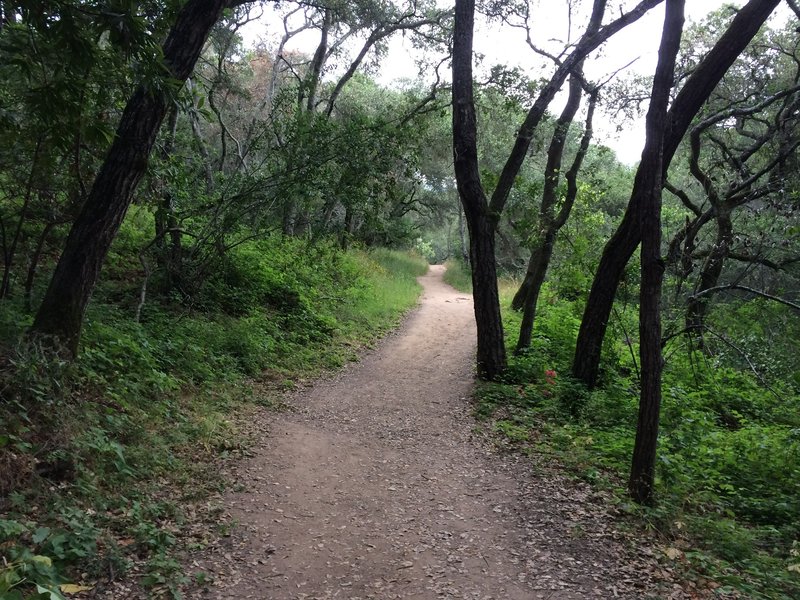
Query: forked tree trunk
(643, 464)
(623, 243)
(543, 252)
(552, 177)
(60, 316)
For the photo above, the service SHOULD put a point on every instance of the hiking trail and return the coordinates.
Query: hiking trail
(375, 486)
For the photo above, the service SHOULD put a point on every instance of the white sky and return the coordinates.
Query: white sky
(505, 45)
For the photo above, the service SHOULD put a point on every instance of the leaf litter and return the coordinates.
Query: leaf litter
(376, 485)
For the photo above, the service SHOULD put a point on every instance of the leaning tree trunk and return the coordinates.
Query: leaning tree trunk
(540, 257)
(623, 243)
(643, 463)
(60, 316)
(697, 305)
(534, 278)
(552, 177)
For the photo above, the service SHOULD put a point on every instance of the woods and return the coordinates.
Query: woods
(184, 206)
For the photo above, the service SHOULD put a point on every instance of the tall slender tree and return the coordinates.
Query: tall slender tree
(644, 451)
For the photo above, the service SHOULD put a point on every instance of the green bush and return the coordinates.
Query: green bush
(728, 481)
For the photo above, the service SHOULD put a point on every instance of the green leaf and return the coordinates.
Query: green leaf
(43, 560)
(40, 535)
(50, 594)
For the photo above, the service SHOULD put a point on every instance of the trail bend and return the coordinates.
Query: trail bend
(375, 487)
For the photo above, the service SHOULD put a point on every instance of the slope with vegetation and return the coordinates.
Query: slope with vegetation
(107, 459)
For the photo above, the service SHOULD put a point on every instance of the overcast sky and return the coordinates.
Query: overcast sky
(503, 45)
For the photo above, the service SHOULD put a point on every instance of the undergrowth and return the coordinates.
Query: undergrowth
(458, 276)
(728, 477)
(101, 458)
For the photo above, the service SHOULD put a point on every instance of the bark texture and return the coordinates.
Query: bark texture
(643, 463)
(491, 352)
(60, 316)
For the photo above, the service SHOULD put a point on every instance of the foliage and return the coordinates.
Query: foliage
(100, 457)
(728, 478)
(457, 275)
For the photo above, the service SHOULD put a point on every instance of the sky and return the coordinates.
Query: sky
(636, 44)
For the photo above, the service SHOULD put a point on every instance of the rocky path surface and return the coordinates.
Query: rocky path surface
(374, 486)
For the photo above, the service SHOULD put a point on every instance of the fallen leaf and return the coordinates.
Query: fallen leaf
(74, 588)
(673, 553)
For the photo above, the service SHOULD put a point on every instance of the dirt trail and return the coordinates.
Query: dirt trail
(375, 487)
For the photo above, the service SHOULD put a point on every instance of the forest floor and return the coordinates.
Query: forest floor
(376, 484)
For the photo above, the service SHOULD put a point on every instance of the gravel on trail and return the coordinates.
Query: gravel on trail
(376, 486)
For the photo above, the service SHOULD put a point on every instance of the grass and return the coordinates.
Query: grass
(390, 290)
(106, 463)
(457, 275)
(728, 476)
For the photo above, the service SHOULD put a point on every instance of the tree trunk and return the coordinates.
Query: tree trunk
(643, 463)
(318, 62)
(202, 149)
(623, 243)
(540, 258)
(10, 251)
(534, 278)
(552, 176)
(346, 235)
(60, 316)
(34, 263)
(697, 305)
(168, 236)
(491, 357)
(528, 294)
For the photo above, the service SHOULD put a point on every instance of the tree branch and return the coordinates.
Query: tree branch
(744, 288)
